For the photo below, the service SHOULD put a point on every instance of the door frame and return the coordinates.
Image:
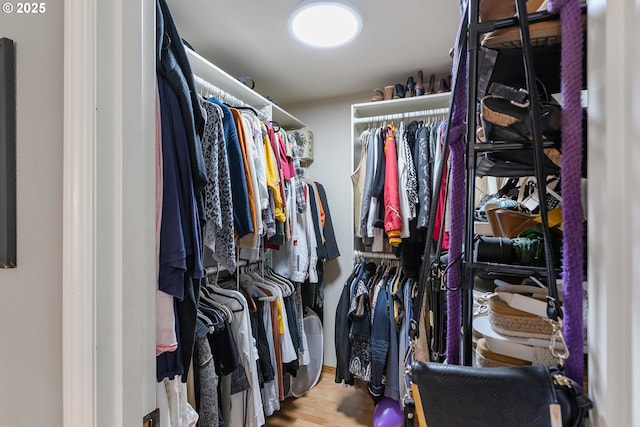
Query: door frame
(109, 202)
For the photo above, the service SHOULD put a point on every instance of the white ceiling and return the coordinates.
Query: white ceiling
(250, 38)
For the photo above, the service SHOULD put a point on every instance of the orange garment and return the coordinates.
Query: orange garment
(237, 118)
(320, 207)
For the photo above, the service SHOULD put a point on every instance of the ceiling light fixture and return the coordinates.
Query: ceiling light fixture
(324, 23)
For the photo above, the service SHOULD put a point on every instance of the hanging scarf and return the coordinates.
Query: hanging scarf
(571, 173)
(458, 128)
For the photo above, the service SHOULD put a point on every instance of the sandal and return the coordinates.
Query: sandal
(541, 33)
(504, 114)
(545, 33)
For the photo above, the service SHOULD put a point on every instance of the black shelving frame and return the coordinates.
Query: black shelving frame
(470, 267)
(468, 43)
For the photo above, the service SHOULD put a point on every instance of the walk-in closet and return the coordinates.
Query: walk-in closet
(210, 218)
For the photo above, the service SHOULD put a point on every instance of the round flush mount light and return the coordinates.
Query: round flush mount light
(324, 23)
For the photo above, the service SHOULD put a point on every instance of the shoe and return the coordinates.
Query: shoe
(399, 92)
(410, 87)
(489, 210)
(432, 82)
(504, 121)
(419, 88)
(491, 10)
(388, 92)
(486, 358)
(544, 33)
(512, 223)
(443, 86)
(378, 95)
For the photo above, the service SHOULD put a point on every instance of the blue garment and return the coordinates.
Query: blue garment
(181, 250)
(239, 190)
(172, 63)
(177, 166)
(360, 333)
(404, 334)
(343, 325)
(379, 338)
(392, 385)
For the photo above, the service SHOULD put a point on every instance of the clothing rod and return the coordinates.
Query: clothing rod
(214, 269)
(377, 255)
(223, 96)
(405, 115)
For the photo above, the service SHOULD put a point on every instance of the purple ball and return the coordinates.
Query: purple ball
(388, 413)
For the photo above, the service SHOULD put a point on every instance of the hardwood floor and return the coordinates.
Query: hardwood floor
(328, 405)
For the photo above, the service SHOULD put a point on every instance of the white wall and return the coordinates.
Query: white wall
(614, 223)
(330, 122)
(30, 306)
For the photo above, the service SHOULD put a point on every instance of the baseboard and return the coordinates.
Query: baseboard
(328, 369)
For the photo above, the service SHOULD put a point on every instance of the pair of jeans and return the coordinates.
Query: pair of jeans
(379, 338)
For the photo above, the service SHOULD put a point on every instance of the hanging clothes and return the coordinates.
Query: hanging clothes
(218, 228)
(407, 211)
(382, 176)
(372, 328)
(392, 209)
(246, 406)
(230, 185)
(358, 180)
(180, 264)
(243, 220)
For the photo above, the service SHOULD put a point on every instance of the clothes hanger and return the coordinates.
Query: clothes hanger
(276, 281)
(282, 282)
(252, 281)
(243, 107)
(268, 287)
(208, 303)
(207, 295)
(212, 318)
(249, 299)
(207, 322)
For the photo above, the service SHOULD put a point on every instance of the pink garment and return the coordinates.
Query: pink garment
(166, 339)
(287, 163)
(276, 151)
(392, 212)
(441, 211)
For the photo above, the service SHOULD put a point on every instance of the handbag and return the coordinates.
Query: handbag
(446, 395)
(528, 396)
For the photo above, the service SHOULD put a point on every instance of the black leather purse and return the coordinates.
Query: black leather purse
(444, 395)
(528, 396)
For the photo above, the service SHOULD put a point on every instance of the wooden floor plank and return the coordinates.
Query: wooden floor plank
(327, 405)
